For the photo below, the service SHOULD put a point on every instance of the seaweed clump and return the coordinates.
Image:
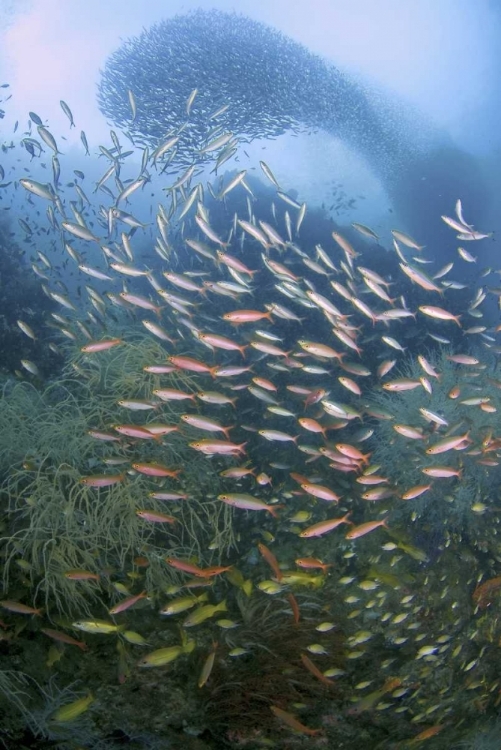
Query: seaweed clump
(270, 671)
(55, 523)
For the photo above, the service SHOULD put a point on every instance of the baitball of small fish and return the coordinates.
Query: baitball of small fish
(239, 75)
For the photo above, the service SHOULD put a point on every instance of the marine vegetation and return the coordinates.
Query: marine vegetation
(53, 505)
(269, 657)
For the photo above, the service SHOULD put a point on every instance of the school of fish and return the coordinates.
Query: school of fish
(295, 359)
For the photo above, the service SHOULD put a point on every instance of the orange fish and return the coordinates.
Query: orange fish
(318, 529)
(299, 478)
(415, 491)
(100, 346)
(365, 528)
(81, 575)
(312, 425)
(155, 470)
(188, 363)
(351, 452)
(19, 608)
(315, 396)
(64, 638)
(265, 383)
(102, 480)
(136, 431)
(318, 490)
(236, 472)
(263, 479)
(211, 447)
(271, 560)
(232, 262)
(126, 603)
(312, 562)
(292, 722)
(155, 516)
(245, 316)
(215, 570)
(315, 670)
(205, 423)
(247, 502)
(171, 394)
(183, 565)
(294, 607)
(427, 733)
(221, 342)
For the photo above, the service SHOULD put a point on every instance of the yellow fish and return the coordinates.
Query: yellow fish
(96, 626)
(163, 656)
(71, 711)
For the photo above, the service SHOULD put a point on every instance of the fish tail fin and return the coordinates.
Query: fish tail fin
(273, 509)
(226, 430)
